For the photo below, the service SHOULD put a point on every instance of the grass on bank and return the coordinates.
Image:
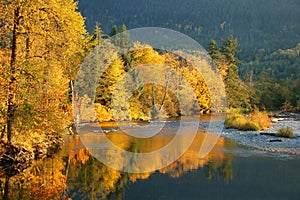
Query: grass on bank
(286, 132)
(254, 121)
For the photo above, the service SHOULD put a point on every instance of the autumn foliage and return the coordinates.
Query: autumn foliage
(41, 48)
(253, 122)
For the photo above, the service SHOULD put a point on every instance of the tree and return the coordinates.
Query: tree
(114, 30)
(111, 92)
(275, 78)
(124, 37)
(213, 50)
(230, 49)
(120, 37)
(47, 44)
(237, 92)
(96, 38)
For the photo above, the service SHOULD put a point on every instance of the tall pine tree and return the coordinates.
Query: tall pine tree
(237, 92)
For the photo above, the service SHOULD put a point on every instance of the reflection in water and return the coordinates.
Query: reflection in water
(75, 174)
(90, 179)
(44, 180)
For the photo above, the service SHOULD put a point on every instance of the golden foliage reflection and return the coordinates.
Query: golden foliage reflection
(76, 174)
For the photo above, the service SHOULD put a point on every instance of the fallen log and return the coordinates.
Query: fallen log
(269, 134)
(276, 140)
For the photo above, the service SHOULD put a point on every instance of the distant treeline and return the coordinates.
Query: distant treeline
(257, 24)
(276, 79)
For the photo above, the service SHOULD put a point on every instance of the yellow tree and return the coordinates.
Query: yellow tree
(148, 63)
(46, 48)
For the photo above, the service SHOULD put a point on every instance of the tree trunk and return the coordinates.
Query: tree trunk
(165, 93)
(153, 96)
(6, 189)
(11, 105)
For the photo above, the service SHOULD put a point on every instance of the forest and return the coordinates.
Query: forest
(267, 32)
(254, 44)
(260, 26)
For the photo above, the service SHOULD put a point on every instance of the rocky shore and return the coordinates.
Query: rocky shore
(266, 141)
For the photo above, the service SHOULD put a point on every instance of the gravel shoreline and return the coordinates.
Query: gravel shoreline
(274, 144)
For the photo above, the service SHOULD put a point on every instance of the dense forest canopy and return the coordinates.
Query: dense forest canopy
(257, 24)
(276, 78)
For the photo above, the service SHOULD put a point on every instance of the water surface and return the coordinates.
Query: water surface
(229, 171)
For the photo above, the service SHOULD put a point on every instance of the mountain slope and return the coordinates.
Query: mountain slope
(267, 24)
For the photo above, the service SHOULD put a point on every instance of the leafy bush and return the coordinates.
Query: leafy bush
(253, 122)
(103, 113)
(286, 132)
(239, 121)
(251, 126)
(262, 119)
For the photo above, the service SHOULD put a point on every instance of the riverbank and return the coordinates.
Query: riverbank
(14, 157)
(255, 139)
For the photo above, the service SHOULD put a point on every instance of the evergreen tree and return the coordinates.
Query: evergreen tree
(114, 31)
(230, 49)
(124, 37)
(237, 92)
(213, 50)
(96, 36)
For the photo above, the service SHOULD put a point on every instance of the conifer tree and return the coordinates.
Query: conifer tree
(237, 92)
(114, 31)
(213, 50)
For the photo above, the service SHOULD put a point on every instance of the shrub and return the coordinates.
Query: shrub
(235, 120)
(251, 126)
(298, 106)
(286, 132)
(287, 106)
(262, 119)
(254, 122)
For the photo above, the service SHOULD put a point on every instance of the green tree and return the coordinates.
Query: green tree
(238, 94)
(124, 37)
(213, 50)
(230, 49)
(96, 38)
(114, 31)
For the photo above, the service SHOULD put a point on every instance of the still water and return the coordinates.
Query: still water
(229, 171)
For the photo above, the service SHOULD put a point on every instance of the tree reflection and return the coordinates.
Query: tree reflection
(44, 180)
(222, 168)
(94, 180)
(75, 174)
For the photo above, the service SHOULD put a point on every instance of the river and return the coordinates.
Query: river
(228, 171)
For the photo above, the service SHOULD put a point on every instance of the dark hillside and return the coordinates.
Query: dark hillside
(257, 24)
